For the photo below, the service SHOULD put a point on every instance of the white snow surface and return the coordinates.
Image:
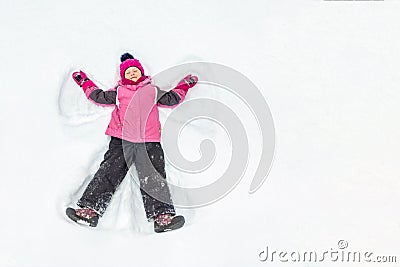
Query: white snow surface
(329, 71)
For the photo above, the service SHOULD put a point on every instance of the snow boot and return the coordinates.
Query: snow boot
(168, 222)
(84, 216)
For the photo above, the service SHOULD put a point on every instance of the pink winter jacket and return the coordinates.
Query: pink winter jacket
(135, 117)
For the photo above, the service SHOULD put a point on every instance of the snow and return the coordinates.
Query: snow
(327, 69)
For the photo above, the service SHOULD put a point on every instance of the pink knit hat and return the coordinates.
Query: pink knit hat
(127, 64)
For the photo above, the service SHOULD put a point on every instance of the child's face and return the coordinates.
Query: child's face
(133, 74)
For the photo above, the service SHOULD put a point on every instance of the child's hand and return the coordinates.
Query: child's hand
(80, 77)
(188, 82)
(82, 80)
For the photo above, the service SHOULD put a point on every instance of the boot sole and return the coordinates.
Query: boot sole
(176, 223)
(71, 213)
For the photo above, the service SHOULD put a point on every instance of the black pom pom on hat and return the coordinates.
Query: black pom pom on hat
(126, 56)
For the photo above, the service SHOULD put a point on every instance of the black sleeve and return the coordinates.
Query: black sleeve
(168, 98)
(104, 97)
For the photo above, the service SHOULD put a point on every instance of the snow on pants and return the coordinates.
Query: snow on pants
(150, 165)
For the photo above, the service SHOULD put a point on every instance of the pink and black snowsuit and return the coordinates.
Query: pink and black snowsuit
(135, 132)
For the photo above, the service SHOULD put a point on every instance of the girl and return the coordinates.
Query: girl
(135, 139)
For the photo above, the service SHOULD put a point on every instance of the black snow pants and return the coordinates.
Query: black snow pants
(150, 165)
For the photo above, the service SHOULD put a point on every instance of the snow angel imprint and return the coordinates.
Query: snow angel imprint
(135, 132)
